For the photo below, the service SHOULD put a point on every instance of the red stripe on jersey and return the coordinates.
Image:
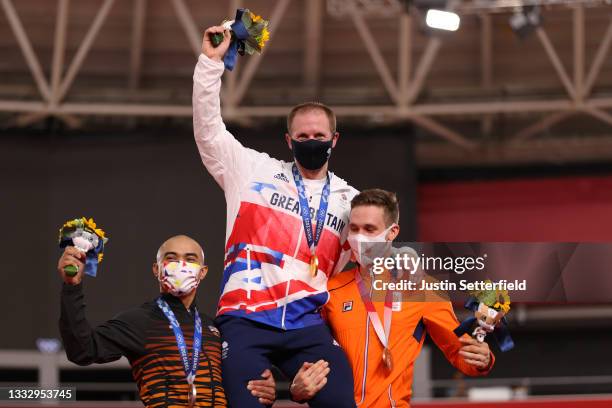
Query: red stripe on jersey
(274, 229)
(271, 294)
(268, 227)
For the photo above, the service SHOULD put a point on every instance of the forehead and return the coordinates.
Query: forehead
(181, 246)
(311, 118)
(367, 214)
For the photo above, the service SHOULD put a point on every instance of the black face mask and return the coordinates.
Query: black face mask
(312, 154)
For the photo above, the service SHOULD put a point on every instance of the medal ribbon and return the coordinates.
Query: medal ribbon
(190, 370)
(311, 239)
(381, 332)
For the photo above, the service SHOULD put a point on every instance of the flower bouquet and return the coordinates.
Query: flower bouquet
(490, 308)
(249, 35)
(83, 234)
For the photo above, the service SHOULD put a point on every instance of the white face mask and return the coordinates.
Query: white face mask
(366, 248)
(179, 277)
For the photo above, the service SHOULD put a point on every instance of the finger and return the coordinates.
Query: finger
(468, 340)
(77, 253)
(475, 349)
(317, 369)
(320, 385)
(306, 366)
(72, 258)
(476, 363)
(264, 401)
(323, 374)
(253, 384)
(264, 392)
(72, 261)
(265, 374)
(214, 30)
(473, 356)
(319, 364)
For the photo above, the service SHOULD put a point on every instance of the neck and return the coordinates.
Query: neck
(365, 273)
(367, 276)
(312, 174)
(188, 299)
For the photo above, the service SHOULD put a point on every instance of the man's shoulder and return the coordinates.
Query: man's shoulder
(341, 281)
(341, 185)
(136, 312)
(343, 293)
(265, 162)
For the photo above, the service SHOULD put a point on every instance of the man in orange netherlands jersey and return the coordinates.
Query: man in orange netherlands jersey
(382, 339)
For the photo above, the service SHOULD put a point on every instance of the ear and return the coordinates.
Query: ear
(288, 140)
(393, 232)
(203, 272)
(155, 270)
(335, 138)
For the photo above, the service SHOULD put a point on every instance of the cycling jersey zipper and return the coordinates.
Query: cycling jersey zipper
(248, 257)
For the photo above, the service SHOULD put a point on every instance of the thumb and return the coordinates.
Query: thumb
(266, 373)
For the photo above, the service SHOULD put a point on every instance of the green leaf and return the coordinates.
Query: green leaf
(489, 297)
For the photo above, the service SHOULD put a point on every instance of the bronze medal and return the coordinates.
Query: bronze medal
(388, 359)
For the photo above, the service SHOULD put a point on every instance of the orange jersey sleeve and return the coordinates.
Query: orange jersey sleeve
(440, 321)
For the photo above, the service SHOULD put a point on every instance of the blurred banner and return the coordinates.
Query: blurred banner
(534, 272)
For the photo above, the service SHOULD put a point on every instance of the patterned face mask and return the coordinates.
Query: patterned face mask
(179, 277)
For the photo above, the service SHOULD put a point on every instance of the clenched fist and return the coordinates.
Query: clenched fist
(71, 256)
(475, 353)
(216, 53)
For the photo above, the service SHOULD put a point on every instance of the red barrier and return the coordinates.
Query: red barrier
(553, 209)
(534, 402)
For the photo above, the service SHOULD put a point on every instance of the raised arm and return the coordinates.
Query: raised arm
(86, 345)
(226, 159)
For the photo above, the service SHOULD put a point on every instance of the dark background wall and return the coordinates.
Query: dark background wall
(141, 187)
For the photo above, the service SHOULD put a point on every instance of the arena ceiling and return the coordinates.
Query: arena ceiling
(482, 95)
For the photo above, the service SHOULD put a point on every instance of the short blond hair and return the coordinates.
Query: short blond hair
(312, 106)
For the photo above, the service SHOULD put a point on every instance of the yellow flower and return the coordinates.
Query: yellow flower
(255, 18)
(505, 307)
(90, 223)
(265, 36)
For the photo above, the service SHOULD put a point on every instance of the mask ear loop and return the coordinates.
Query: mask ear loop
(388, 230)
(160, 271)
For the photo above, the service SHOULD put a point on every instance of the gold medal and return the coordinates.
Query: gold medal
(387, 359)
(192, 395)
(314, 265)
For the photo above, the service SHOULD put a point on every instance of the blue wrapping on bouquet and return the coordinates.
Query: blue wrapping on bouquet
(240, 34)
(501, 332)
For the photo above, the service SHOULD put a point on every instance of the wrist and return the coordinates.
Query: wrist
(294, 397)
